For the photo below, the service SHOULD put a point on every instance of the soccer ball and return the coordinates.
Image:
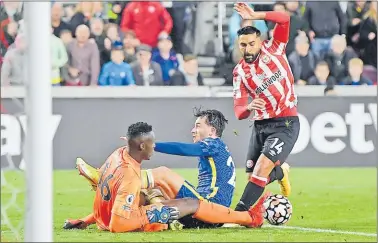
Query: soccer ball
(278, 210)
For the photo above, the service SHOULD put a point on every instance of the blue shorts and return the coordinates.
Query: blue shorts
(189, 191)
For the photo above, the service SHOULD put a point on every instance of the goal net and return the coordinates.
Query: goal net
(26, 150)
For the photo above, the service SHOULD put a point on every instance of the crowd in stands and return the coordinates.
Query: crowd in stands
(141, 43)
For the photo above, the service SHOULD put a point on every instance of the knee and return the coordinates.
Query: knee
(263, 166)
(162, 170)
(160, 173)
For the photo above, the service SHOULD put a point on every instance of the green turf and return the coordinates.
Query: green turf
(338, 199)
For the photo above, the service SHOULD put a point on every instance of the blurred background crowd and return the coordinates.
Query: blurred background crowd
(190, 43)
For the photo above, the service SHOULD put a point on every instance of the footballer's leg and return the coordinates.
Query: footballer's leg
(89, 172)
(82, 223)
(279, 173)
(213, 213)
(281, 135)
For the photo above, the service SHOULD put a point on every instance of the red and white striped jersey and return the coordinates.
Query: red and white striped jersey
(269, 77)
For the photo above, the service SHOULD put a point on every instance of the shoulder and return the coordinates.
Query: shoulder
(126, 65)
(107, 65)
(236, 70)
(211, 142)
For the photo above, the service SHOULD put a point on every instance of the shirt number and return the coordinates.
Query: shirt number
(230, 162)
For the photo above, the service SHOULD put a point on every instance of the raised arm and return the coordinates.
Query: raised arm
(203, 148)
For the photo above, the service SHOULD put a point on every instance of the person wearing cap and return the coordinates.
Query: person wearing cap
(302, 60)
(146, 72)
(166, 58)
(116, 72)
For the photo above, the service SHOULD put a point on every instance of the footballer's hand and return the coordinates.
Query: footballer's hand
(246, 12)
(256, 104)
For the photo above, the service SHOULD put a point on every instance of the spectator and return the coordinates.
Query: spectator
(235, 23)
(368, 36)
(297, 26)
(12, 70)
(157, 23)
(355, 12)
(130, 42)
(325, 19)
(189, 75)
(59, 58)
(145, 71)
(84, 59)
(116, 72)
(338, 57)
(322, 76)
(66, 37)
(10, 32)
(98, 35)
(293, 8)
(115, 10)
(84, 12)
(166, 58)
(302, 60)
(56, 19)
(355, 77)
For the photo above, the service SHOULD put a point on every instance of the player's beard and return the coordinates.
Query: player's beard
(249, 58)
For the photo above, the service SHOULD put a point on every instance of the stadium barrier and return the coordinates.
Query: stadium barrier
(87, 122)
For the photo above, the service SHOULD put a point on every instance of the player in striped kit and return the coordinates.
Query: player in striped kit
(264, 75)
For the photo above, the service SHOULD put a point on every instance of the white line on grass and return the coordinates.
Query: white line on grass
(308, 229)
(322, 230)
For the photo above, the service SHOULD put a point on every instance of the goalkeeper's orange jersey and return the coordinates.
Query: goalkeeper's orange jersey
(116, 206)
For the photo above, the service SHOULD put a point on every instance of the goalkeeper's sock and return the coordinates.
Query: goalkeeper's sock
(90, 219)
(276, 174)
(214, 213)
(252, 192)
(147, 179)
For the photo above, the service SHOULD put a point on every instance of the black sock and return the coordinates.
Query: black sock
(276, 174)
(251, 194)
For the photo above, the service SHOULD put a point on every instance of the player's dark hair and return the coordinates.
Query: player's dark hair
(138, 129)
(214, 118)
(249, 30)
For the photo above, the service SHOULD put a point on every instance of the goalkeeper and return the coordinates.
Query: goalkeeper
(117, 205)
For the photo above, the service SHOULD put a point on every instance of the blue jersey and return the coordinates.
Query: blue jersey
(216, 179)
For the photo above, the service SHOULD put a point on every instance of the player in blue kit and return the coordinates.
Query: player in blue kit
(216, 179)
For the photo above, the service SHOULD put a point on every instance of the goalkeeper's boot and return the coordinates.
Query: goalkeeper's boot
(257, 211)
(74, 224)
(285, 185)
(89, 172)
(176, 225)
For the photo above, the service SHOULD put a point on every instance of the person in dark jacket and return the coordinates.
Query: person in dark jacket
(368, 36)
(302, 61)
(322, 76)
(98, 35)
(297, 25)
(189, 74)
(325, 19)
(355, 77)
(355, 14)
(338, 57)
(146, 72)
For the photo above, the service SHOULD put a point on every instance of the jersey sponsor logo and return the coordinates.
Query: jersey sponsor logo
(267, 82)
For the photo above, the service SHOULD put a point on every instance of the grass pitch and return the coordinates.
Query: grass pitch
(333, 204)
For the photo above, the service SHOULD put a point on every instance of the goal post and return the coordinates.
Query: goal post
(38, 104)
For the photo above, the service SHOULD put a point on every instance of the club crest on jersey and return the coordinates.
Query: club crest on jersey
(265, 59)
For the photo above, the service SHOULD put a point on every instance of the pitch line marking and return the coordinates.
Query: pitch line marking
(308, 229)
